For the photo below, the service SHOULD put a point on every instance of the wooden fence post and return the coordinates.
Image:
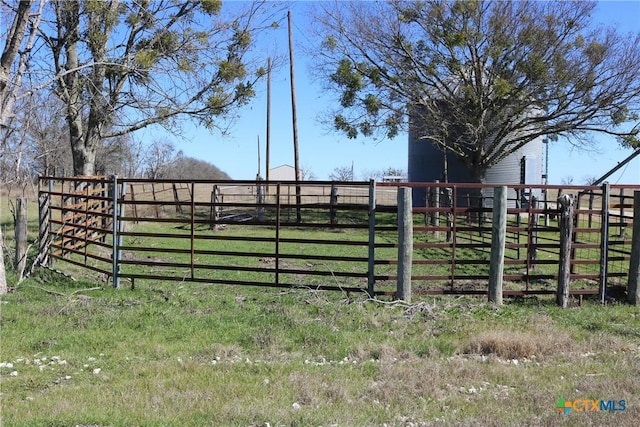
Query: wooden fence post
(565, 223)
(259, 200)
(215, 208)
(498, 237)
(622, 206)
(633, 288)
(333, 205)
(450, 217)
(546, 205)
(405, 244)
(20, 259)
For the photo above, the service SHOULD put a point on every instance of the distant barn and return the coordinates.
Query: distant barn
(282, 173)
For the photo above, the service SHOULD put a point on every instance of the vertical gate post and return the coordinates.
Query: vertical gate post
(604, 241)
(20, 260)
(565, 223)
(115, 238)
(498, 238)
(633, 288)
(371, 278)
(405, 244)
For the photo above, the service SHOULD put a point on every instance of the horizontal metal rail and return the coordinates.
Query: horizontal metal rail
(251, 229)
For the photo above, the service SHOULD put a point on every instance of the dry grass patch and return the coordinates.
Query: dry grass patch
(519, 345)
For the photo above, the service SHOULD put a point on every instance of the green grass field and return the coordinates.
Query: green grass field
(74, 352)
(191, 355)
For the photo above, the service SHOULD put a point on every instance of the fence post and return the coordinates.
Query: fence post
(435, 216)
(371, 278)
(449, 203)
(405, 244)
(115, 227)
(546, 205)
(176, 198)
(565, 223)
(604, 241)
(468, 215)
(498, 238)
(20, 260)
(215, 208)
(43, 226)
(259, 200)
(333, 204)
(633, 288)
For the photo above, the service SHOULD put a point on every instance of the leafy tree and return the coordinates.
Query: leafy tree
(479, 79)
(122, 66)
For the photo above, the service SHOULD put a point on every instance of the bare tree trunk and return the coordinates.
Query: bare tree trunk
(9, 54)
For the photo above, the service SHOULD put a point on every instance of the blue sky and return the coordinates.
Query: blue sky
(323, 150)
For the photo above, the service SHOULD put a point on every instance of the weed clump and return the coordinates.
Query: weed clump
(506, 345)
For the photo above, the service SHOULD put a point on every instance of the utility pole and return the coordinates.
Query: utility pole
(296, 157)
(268, 148)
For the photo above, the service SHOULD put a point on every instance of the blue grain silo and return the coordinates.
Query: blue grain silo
(426, 164)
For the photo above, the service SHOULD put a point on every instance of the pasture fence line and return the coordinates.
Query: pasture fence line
(346, 238)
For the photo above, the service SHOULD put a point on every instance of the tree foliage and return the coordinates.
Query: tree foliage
(120, 66)
(478, 78)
